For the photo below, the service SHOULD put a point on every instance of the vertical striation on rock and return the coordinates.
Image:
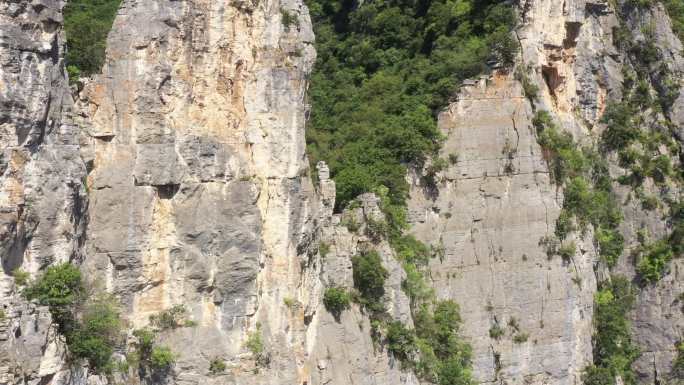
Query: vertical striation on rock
(198, 177)
(179, 177)
(42, 199)
(491, 209)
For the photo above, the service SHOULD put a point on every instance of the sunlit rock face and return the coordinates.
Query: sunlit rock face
(493, 206)
(178, 176)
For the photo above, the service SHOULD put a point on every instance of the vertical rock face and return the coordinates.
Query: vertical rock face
(186, 159)
(199, 195)
(42, 200)
(493, 206)
(491, 210)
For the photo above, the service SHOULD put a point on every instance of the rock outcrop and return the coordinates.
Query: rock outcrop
(179, 177)
(42, 198)
(492, 206)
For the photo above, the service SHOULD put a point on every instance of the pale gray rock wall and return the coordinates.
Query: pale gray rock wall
(199, 190)
(494, 204)
(489, 212)
(42, 199)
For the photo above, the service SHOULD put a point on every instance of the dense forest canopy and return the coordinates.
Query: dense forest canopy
(87, 23)
(384, 70)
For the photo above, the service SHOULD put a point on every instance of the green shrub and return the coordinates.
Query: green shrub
(289, 302)
(369, 279)
(351, 223)
(675, 10)
(621, 130)
(87, 23)
(60, 287)
(323, 249)
(255, 344)
(654, 261)
(530, 89)
(400, 340)
(678, 364)
(567, 251)
(453, 158)
(97, 334)
(21, 277)
(614, 351)
(288, 18)
(676, 238)
(145, 341)
(496, 332)
(336, 300)
(411, 251)
(384, 70)
(415, 286)
(161, 358)
(564, 224)
(376, 229)
(170, 318)
(611, 245)
(520, 338)
(217, 366)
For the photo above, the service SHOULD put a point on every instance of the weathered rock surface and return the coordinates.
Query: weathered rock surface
(191, 145)
(491, 210)
(492, 207)
(42, 199)
(199, 195)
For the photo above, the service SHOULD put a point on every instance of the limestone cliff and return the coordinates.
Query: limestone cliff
(494, 205)
(178, 176)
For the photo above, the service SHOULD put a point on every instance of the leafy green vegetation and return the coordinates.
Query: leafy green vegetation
(369, 279)
(255, 344)
(614, 350)
(675, 9)
(588, 198)
(217, 366)
(336, 300)
(288, 18)
(161, 358)
(520, 338)
(87, 23)
(21, 277)
(171, 318)
(383, 71)
(97, 333)
(148, 356)
(61, 288)
(91, 326)
(654, 260)
(678, 364)
(496, 332)
(638, 128)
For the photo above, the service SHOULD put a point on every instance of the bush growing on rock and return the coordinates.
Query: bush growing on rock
(369, 279)
(336, 300)
(217, 366)
(91, 324)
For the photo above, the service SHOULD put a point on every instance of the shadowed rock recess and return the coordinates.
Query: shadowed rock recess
(177, 181)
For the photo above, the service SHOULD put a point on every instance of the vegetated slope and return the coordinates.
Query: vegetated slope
(384, 69)
(87, 23)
